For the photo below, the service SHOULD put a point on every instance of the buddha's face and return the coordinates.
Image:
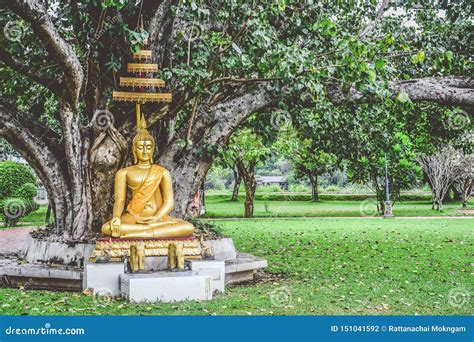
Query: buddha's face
(144, 150)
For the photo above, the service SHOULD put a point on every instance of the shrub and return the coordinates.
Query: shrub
(13, 209)
(299, 188)
(26, 191)
(269, 188)
(12, 176)
(17, 192)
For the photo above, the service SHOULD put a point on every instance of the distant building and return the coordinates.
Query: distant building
(273, 180)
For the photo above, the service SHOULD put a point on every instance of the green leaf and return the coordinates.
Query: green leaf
(379, 64)
(402, 97)
(419, 57)
(371, 75)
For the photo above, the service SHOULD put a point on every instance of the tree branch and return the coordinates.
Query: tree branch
(36, 75)
(244, 80)
(448, 90)
(35, 13)
(36, 143)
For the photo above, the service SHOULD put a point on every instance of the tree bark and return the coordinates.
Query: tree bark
(237, 182)
(247, 173)
(448, 90)
(313, 179)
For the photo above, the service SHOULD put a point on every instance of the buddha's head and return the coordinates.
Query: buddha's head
(143, 144)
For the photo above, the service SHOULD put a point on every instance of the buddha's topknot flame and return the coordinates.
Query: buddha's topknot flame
(142, 133)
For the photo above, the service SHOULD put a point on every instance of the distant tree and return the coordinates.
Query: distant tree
(247, 151)
(306, 157)
(237, 182)
(443, 169)
(368, 167)
(465, 182)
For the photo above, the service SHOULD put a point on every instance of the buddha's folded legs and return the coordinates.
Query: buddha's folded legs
(163, 229)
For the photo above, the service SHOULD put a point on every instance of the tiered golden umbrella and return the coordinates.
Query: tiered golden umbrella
(140, 69)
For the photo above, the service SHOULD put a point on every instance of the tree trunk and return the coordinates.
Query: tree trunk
(313, 178)
(248, 176)
(249, 195)
(198, 206)
(237, 182)
(47, 219)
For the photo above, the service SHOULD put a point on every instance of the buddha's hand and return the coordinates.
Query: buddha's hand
(148, 220)
(115, 226)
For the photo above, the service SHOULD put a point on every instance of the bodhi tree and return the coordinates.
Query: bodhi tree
(223, 61)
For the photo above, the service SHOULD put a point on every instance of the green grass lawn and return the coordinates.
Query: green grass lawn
(218, 207)
(316, 266)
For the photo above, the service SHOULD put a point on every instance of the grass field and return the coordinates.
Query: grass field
(317, 266)
(218, 207)
(221, 207)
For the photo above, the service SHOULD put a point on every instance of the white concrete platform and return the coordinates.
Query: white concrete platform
(213, 268)
(103, 277)
(165, 287)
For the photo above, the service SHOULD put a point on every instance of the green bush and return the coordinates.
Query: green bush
(26, 191)
(17, 192)
(13, 209)
(12, 176)
(299, 188)
(269, 188)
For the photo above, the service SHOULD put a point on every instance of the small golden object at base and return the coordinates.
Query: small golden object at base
(176, 256)
(137, 257)
(171, 256)
(180, 256)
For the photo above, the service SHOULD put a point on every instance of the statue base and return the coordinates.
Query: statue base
(117, 249)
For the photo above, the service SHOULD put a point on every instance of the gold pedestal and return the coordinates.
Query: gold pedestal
(116, 249)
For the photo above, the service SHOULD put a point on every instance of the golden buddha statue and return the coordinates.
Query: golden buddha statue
(147, 214)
